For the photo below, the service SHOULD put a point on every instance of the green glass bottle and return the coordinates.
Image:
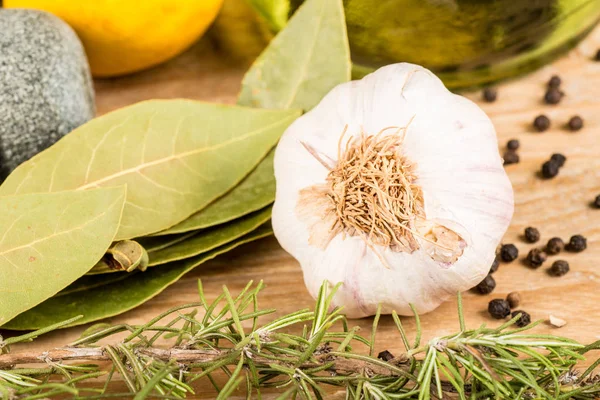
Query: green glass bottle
(466, 42)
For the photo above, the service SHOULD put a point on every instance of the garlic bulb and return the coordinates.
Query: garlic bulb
(393, 186)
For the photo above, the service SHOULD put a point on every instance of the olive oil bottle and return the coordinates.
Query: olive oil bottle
(466, 42)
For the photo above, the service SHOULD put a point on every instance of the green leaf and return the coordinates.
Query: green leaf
(303, 62)
(275, 12)
(113, 299)
(254, 193)
(49, 240)
(154, 243)
(175, 156)
(209, 239)
(88, 282)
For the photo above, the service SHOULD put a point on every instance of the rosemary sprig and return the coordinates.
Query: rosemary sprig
(202, 339)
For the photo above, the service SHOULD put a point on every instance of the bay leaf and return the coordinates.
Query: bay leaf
(175, 156)
(255, 192)
(209, 239)
(303, 62)
(153, 243)
(48, 240)
(88, 282)
(105, 301)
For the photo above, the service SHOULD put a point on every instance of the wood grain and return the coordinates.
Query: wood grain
(559, 207)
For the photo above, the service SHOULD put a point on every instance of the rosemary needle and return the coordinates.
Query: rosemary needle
(204, 339)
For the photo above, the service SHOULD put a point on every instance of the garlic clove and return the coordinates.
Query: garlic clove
(448, 150)
(556, 322)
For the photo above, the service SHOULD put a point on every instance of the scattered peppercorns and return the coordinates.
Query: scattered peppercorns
(536, 257)
(553, 96)
(509, 252)
(597, 201)
(510, 157)
(577, 243)
(490, 94)
(532, 235)
(550, 169)
(541, 123)
(558, 158)
(559, 268)
(499, 308)
(524, 319)
(555, 81)
(513, 144)
(495, 265)
(486, 286)
(385, 356)
(514, 299)
(575, 123)
(555, 246)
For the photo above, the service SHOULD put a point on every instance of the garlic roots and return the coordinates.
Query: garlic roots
(393, 186)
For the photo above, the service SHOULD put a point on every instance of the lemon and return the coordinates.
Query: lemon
(124, 36)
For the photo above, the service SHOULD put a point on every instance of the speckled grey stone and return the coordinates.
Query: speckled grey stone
(45, 84)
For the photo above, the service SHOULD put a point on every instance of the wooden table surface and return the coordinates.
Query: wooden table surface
(558, 207)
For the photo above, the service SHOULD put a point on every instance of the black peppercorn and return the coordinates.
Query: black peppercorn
(536, 257)
(559, 268)
(385, 356)
(499, 308)
(495, 265)
(555, 81)
(575, 123)
(524, 319)
(550, 169)
(532, 235)
(490, 95)
(509, 252)
(576, 244)
(510, 157)
(559, 159)
(486, 286)
(553, 96)
(554, 246)
(541, 123)
(597, 58)
(514, 299)
(597, 201)
(512, 144)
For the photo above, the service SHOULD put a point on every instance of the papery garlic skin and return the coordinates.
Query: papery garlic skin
(465, 190)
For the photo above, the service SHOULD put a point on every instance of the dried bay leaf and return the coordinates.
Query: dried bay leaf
(209, 239)
(255, 192)
(103, 301)
(88, 282)
(49, 240)
(303, 62)
(153, 243)
(175, 156)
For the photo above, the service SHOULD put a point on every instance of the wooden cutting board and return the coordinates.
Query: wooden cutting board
(558, 207)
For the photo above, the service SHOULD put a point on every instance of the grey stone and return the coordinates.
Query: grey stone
(46, 88)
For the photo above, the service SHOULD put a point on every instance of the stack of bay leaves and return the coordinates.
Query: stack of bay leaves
(126, 204)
